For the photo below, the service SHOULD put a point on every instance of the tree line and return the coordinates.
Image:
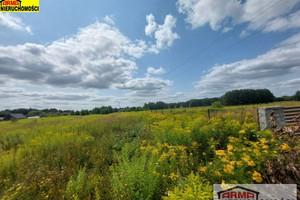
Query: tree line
(231, 98)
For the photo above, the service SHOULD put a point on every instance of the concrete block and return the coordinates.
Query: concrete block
(264, 116)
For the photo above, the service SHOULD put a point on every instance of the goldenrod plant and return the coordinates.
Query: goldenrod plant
(140, 155)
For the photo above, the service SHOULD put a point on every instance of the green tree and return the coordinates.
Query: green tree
(297, 96)
(247, 96)
(35, 113)
(217, 104)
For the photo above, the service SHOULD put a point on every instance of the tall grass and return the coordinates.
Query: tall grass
(38, 158)
(140, 155)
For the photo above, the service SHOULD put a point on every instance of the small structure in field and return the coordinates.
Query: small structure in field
(2, 119)
(264, 116)
(34, 117)
(278, 116)
(18, 116)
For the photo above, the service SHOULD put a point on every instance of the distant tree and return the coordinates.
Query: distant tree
(285, 98)
(84, 112)
(35, 113)
(172, 105)
(152, 106)
(146, 106)
(297, 96)
(247, 96)
(217, 104)
(139, 108)
(24, 111)
(6, 115)
(264, 96)
(96, 111)
(127, 109)
(161, 105)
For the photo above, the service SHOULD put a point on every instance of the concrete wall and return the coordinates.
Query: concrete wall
(264, 116)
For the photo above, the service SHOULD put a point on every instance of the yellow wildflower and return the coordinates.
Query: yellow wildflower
(273, 140)
(173, 176)
(257, 177)
(218, 173)
(265, 146)
(246, 158)
(225, 160)
(232, 162)
(229, 147)
(155, 151)
(239, 163)
(285, 147)
(163, 157)
(251, 163)
(263, 140)
(203, 169)
(156, 173)
(242, 131)
(220, 153)
(228, 169)
(257, 152)
(233, 139)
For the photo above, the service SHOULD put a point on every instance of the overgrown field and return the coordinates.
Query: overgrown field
(140, 155)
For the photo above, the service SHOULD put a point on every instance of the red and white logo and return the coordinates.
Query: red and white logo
(238, 193)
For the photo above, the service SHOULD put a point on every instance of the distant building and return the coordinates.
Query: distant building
(34, 117)
(18, 116)
(2, 119)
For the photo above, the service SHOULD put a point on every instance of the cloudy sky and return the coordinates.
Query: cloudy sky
(126, 53)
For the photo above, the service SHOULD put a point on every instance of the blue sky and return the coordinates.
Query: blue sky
(127, 53)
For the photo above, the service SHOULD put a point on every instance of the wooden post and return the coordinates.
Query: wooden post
(208, 113)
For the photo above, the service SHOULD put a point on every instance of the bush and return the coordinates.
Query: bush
(242, 159)
(84, 186)
(193, 187)
(217, 104)
(133, 176)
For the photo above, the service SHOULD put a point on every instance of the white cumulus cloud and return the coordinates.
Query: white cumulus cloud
(284, 23)
(277, 69)
(152, 70)
(221, 14)
(151, 26)
(163, 33)
(98, 56)
(11, 21)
